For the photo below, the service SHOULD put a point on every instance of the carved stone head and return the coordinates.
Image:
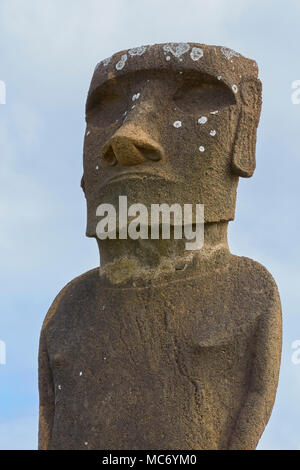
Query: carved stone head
(173, 123)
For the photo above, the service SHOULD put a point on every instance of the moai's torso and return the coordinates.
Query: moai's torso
(166, 366)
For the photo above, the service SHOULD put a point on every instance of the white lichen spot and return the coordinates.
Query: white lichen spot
(201, 148)
(214, 112)
(97, 167)
(168, 58)
(59, 387)
(121, 62)
(136, 96)
(196, 53)
(88, 133)
(137, 50)
(103, 307)
(219, 77)
(133, 106)
(80, 373)
(104, 63)
(86, 443)
(202, 120)
(228, 53)
(177, 50)
(213, 132)
(177, 124)
(104, 358)
(234, 88)
(181, 72)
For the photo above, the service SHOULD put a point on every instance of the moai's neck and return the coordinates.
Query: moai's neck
(122, 260)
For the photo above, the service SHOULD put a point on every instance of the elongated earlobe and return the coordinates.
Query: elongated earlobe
(243, 158)
(82, 185)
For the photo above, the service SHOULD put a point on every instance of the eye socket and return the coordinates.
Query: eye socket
(105, 106)
(204, 97)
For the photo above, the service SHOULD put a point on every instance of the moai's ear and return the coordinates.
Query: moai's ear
(243, 158)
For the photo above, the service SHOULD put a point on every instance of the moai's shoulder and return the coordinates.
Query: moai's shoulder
(256, 282)
(232, 299)
(80, 289)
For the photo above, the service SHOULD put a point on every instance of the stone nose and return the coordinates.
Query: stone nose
(129, 146)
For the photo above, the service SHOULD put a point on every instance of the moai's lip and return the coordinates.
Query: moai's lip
(133, 175)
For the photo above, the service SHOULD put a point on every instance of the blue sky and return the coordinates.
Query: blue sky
(48, 51)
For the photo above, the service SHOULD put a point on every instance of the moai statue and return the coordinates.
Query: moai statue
(164, 347)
